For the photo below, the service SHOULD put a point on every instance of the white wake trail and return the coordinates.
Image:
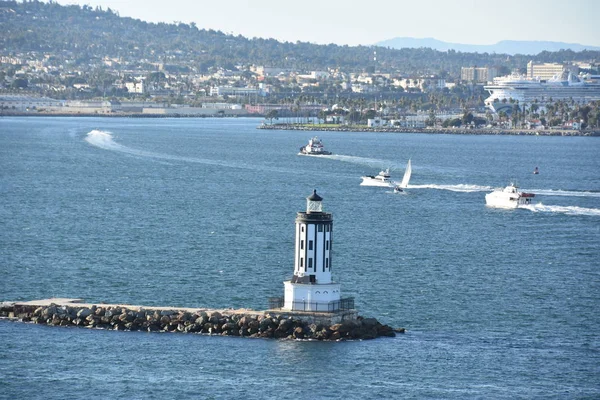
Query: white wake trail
(567, 193)
(369, 162)
(568, 210)
(104, 140)
(464, 188)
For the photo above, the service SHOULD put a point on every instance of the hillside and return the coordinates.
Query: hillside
(84, 33)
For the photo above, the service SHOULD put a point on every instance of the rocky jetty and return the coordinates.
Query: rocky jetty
(439, 131)
(236, 323)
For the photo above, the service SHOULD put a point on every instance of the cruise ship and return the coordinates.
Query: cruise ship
(527, 91)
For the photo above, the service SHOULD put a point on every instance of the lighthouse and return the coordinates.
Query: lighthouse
(311, 288)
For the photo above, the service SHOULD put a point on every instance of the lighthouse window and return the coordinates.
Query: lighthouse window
(319, 228)
(326, 263)
(302, 262)
(302, 245)
(310, 263)
(310, 244)
(327, 245)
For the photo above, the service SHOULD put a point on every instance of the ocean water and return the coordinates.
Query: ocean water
(200, 213)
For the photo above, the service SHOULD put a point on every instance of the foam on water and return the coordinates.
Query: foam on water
(465, 188)
(568, 210)
(370, 162)
(569, 193)
(104, 140)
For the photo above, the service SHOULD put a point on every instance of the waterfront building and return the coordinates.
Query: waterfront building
(235, 91)
(20, 103)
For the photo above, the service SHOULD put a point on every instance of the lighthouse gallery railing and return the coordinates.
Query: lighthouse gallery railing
(315, 306)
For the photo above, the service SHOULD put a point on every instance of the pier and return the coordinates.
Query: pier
(278, 324)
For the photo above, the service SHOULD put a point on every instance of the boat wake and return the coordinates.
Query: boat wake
(370, 162)
(104, 140)
(569, 193)
(568, 210)
(454, 188)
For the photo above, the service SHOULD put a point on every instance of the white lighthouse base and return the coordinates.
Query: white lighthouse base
(311, 297)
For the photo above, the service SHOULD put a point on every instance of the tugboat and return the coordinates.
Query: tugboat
(508, 197)
(314, 148)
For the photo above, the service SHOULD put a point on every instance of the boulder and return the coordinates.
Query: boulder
(84, 313)
(285, 325)
(385, 330)
(298, 333)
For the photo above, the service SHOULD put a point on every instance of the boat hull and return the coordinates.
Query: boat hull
(368, 181)
(500, 200)
(321, 153)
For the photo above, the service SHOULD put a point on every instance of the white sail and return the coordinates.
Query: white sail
(406, 176)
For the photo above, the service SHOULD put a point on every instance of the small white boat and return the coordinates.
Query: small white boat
(381, 179)
(508, 197)
(314, 148)
(405, 179)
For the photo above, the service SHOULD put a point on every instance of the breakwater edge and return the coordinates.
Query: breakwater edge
(270, 324)
(447, 131)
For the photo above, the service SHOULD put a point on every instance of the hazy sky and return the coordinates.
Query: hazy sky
(367, 22)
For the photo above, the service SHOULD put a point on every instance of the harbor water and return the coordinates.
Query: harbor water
(200, 213)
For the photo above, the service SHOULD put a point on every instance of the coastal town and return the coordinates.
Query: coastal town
(373, 95)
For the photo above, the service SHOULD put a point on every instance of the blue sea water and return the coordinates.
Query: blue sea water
(200, 213)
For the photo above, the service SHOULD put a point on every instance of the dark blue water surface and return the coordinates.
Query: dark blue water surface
(200, 213)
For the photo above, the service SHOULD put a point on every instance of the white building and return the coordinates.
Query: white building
(19, 103)
(547, 71)
(311, 287)
(474, 74)
(235, 91)
(135, 87)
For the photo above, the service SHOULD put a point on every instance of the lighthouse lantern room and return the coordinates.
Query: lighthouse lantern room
(311, 287)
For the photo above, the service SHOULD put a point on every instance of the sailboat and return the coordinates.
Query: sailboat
(404, 184)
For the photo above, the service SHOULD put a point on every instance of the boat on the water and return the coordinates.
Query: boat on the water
(381, 179)
(404, 184)
(314, 148)
(536, 171)
(508, 197)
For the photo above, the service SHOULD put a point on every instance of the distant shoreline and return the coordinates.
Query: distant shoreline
(321, 128)
(447, 131)
(125, 115)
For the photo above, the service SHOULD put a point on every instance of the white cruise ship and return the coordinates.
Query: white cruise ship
(527, 91)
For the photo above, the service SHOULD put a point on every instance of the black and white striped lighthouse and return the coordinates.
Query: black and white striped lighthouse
(311, 287)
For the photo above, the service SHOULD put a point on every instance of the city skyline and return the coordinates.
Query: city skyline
(465, 22)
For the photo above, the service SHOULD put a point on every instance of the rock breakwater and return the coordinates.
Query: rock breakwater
(439, 131)
(237, 323)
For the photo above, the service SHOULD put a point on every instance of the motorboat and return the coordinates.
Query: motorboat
(536, 171)
(405, 179)
(381, 179)
(314, 148)
(508, 197)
